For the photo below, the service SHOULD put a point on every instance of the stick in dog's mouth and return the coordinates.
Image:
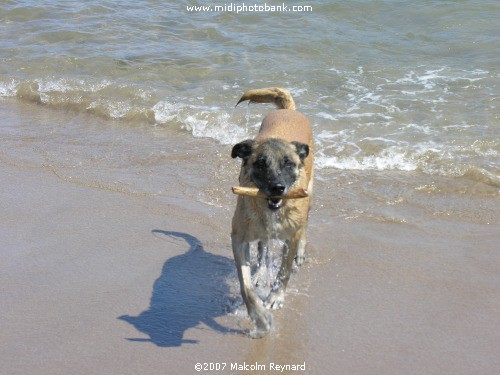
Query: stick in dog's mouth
(273, 202)
(256, 193)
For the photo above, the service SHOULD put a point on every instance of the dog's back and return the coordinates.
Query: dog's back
(284, 123)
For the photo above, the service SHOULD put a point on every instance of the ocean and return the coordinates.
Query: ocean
(388, 85)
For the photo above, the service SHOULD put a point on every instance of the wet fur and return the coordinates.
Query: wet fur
(280, 156)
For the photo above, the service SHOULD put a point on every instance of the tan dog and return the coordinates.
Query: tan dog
(278, 160)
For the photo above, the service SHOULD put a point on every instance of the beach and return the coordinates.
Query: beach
(117, 121)
(100, 279)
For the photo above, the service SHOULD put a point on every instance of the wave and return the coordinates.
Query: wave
(373, 121)
(129, 103)
(430, 159)
(202, 121)
(435, 121)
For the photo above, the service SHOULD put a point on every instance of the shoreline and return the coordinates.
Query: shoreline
(102, 281)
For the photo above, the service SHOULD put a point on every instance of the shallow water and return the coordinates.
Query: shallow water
(387, 86)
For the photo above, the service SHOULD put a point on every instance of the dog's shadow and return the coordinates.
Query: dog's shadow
(192, 289)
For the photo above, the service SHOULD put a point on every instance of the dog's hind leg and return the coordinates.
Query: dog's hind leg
(256, 310)
(276, 298)
(262, 265)
(262, 253)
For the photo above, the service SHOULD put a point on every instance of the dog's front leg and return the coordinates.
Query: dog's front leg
(276, 298)
(256, 310)
(300, 257)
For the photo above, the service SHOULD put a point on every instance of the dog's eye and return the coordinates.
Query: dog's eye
(260, 163)
(288, 163)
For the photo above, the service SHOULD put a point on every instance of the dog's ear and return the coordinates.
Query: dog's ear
(302, 150)
(243, 149)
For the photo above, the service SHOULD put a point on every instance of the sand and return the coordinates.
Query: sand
(107, 281)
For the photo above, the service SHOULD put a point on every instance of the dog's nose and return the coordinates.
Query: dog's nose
(277, 189)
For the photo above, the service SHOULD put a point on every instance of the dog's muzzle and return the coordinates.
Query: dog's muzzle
(274, 203)
(276, 190)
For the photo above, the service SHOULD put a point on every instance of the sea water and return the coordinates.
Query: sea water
(387, 85)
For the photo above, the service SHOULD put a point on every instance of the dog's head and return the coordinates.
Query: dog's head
(272, 165)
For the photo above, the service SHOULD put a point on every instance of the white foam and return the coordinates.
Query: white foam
(327, 116)
(117, 110)
(202, 121)
(165, 111)
(57, 85)
(427, 156)
(388, 159)
(422, 129)
(297, 92)
(431, 79)
(51, 90)
(9, 89)
(234, 86)
(63, 85)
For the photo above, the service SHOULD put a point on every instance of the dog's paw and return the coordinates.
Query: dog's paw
(300, 259)
(263, 325)
(275, 300)
(258, 333)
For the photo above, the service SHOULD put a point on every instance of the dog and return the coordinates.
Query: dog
(278, 160)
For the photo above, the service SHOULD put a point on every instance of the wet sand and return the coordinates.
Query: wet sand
(102, 278)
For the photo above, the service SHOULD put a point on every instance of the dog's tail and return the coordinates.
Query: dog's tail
(280, 97)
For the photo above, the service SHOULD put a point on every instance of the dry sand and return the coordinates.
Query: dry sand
(96, 281)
